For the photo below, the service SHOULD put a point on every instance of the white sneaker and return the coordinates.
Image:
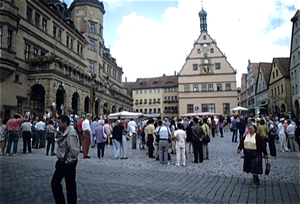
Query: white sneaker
(14, 155)
(7, 154)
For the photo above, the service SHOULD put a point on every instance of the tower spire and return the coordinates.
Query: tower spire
(202, 14)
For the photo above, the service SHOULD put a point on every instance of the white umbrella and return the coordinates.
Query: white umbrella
(125, 114)
(239, 108)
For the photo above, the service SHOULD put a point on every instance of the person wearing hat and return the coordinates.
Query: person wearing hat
(282, 137)
(86, 128)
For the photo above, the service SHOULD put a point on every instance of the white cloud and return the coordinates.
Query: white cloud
(148, 49)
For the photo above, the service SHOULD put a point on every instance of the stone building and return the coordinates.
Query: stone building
(280, 87)
(156, 95)
(262, 89)
(206, 80)
(243, 101)
(295, 63)
(51, 53)
(238, 90)
(252, 74)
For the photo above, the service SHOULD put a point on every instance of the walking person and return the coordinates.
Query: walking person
(86, 128)
(150, 137)
(33, 134)
(26, 132)
(173, 128)
(13, 126)
(189, 134)
(272, 132)
(213, 126)
(40, 128)
(124, 147)
(217, 125)
(108, 128)
(290, 131)
(241, 127)
(50, 138)
(234, 127)
(253, 146)
(65, 167)
(198, 133)
(263, 130)
(139, 136)
(80, 132)
(221, 125)
(132, 126)
(117, 138)
(163, 133)
(180, 136)
(94, 125)
(3, 135)
(282, 136)
(101, 139)
(206, 134)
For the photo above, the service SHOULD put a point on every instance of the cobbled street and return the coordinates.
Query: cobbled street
(26, 178)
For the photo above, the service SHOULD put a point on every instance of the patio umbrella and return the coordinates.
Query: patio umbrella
(239, 108)
(125, 114)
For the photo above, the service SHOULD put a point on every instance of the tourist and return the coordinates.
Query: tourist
(213, 126)
(117, 138)
(272, 132)
(25, 128)
(206, 134)
(62, 109)
(217, 125)
(290, 131)
(297, 133)
(109, 132)
(40, 128)
(139, 136)
(173, 128)
(263, 130)
(150, 137)
(13, 126)
(50, 138)
(163, 133)
(241, 127)
(253, 146)
(3, 135)
(80, 132)
(86, 128)
(221, 125)
(282, 136)
(94, 125)
(234, 123)
(189, 137)
(198, 133)
(180, 136)
(65, 167)
(101, 139)
(132, 127)
(125, 137)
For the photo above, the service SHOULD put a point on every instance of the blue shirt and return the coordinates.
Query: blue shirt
(40, 126)
(99, 134)
(94, 125)
(234, 124)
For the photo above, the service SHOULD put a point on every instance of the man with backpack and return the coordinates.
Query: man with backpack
(272, 132)
(163, 133)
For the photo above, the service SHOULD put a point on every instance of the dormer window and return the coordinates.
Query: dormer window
(204, 37)
(142, 83)
(155, 82)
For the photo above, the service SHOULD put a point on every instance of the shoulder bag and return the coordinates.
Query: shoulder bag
(104, 134)
(268, 166)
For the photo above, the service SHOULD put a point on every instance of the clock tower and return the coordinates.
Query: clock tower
(207, 79)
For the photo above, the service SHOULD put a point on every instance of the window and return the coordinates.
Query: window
(9, 36)
(273, 75)
(210, 87)
(218, 65)
(145, 91)
(92, 28)
(204, 87)
(145, 110)
(211, 50)
(1, 36)
(226, 108)
(293, 91)
(71, 44)
(228, 87)
(150, 91)
(292, 75)
(1, 3)
(78, 49)
(91, 67)
(195, 87)
(281, 88)
(186, 88)
(276, 72)
(145, 101)
(141, 91)
(67, 41)
(37, 19)
(198, 51)
(92, 45)
(154, 91)
(136, 92)
(136, 110)
(19, 107)
(54, 31)
(158, 90)
(81, 49)
(278, 90)
(35, 52)
(204, 107)
(204, 37)
(141, 110)
(219, 87)
(42, 53)
(294, 61)
(100, 30)
(195, 67)
(44, 25)
(190, 108)
(29, 14)
(59, 35)
(211, 108)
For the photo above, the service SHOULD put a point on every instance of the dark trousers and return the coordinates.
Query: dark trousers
(50, 141)
(234, 136)
(213, 131)
(272, 146)
(150, 145)
(198, 152)
(100, 146)
(67, 171)
(241, 134)
(221, 131)
(26, 141)
(40, 139)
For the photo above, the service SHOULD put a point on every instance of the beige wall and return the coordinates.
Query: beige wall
(147, 96)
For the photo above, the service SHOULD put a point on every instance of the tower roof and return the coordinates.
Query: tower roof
(202, 13)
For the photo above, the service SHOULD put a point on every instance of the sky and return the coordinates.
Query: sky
(152, 38)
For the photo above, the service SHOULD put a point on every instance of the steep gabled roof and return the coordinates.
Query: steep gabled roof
(296, 16)
(157, 82)
(129, 86)
(255, 68)
(266, 69)
(283, 64)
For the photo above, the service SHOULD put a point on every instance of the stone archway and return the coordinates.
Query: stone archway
(37, 99)
(97, 107)
(75, 102)
(297, 107)
(113, 108)
(105, 107)
(283, 108)
(86, 104)
(60, 98)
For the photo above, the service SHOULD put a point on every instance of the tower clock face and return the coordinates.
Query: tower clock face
(205, 61)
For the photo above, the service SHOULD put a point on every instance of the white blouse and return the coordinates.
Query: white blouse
(250, 142)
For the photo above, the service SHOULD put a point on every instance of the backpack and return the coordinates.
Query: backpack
(274, 129)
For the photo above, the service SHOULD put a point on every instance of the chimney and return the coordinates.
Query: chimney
(125, 79)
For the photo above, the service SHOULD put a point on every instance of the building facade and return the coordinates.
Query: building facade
(280, 87)
(157, 95)
(295, 63)
(262, 89)
(244, 91)
(51, 53)
(206, 81)
(252, 74)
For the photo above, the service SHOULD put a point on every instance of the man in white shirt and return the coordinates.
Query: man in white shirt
(86, 128)
(290, 131)
(132, 132)
(282, 137)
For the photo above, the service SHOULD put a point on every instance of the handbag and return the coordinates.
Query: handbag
(206, 139)
(104, 134)
(268, 167)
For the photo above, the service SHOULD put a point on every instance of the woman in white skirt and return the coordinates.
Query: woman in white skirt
(180, 136)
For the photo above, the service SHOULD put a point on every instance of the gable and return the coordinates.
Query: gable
(261, 84)
(280, 69)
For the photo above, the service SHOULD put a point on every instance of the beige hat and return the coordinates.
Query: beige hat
(281, 119)
(88, 114)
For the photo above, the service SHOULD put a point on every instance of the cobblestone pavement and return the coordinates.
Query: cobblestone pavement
(26, 178)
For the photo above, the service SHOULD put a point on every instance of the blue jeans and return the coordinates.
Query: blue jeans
(12, 137)
(117, 148)
(92, 140)
(234, 138)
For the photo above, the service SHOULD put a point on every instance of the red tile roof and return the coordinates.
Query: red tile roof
(266, 69)
(255, 68)
(157, 82)
(283, 64)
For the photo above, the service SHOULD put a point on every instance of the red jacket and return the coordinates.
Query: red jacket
(79, 126)
(260, 144)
